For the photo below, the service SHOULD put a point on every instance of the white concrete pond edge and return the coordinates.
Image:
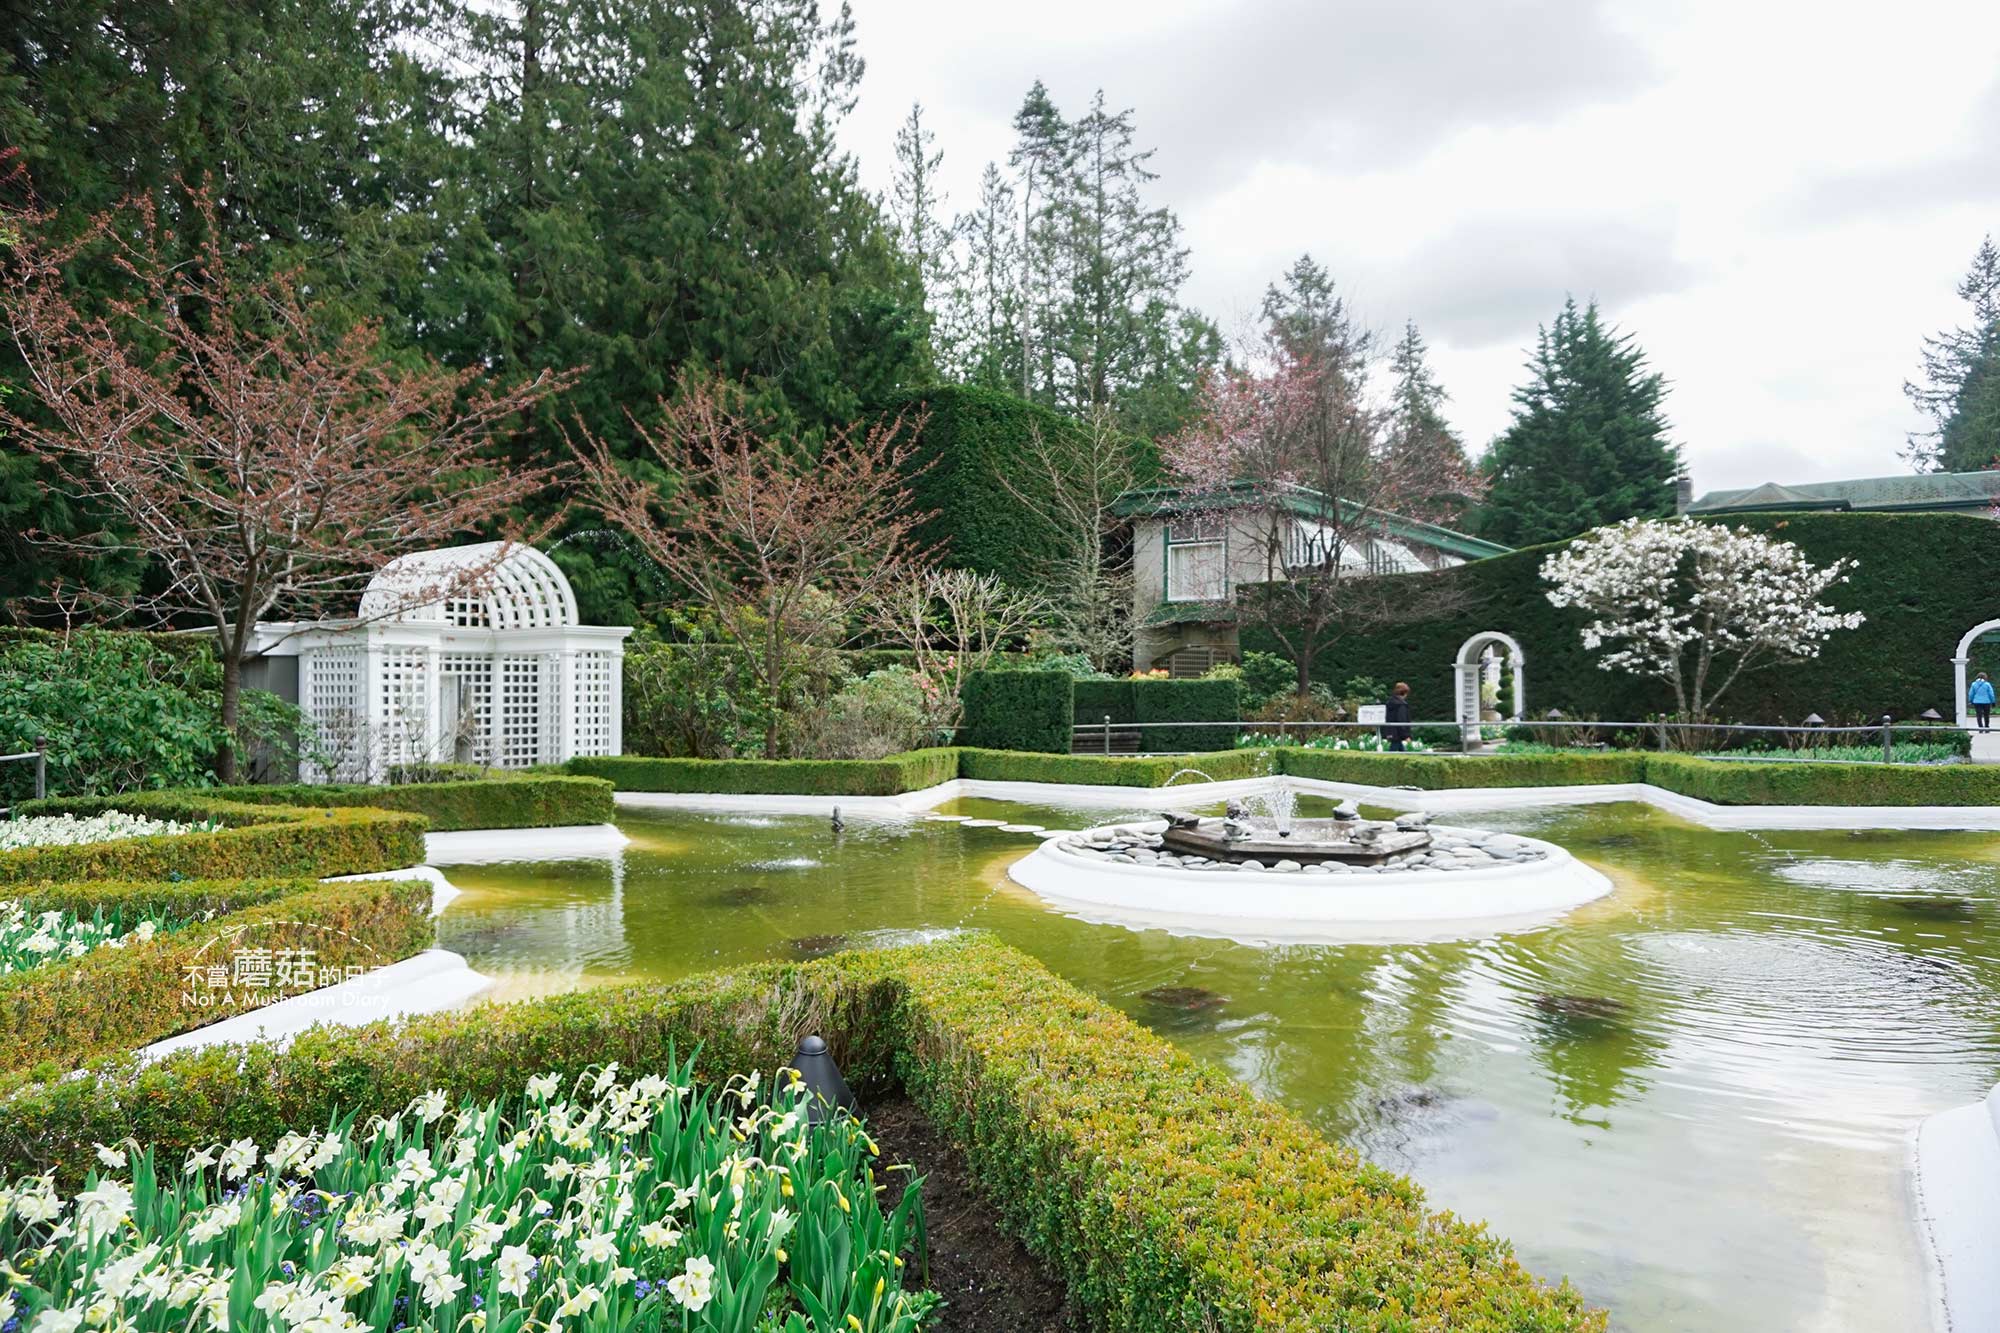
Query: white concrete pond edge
(1291, 907)
(1958, 1213)
(1186, 795)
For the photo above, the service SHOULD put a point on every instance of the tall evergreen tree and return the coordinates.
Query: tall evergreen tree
(1588, 443)
(984, 311)
(1416, 426)
(1960, 391)
(1307, 321)
(1041, 155)
(918, 204)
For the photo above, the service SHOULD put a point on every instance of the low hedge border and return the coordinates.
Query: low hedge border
(911, 771)
(110, 1001)
(259, 840)
(1445, 772)
(501, 802)
(1165, 1192)
(1115, 771)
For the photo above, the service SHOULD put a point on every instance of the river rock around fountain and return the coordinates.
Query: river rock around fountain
(1450, 850)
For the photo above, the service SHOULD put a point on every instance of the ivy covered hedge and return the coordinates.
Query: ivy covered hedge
(259, 840)
(1018, 710)
(1915, 582)
(526, 801)
(60, 1015)
(899, 773)
(1166, 1194)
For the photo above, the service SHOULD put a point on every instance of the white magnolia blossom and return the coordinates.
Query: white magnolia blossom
(70, 831)
(1683, 600)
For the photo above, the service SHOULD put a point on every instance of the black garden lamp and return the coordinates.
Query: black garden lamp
(822, 1079)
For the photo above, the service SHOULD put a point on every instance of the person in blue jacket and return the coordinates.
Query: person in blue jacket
(1980, 696)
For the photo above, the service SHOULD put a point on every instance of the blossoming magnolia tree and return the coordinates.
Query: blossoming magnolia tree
(1696, 604)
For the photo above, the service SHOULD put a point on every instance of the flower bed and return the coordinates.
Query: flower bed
(68, 830)
(1363, 742)
(607, 1205)
(35, 939)
(1165, 1193)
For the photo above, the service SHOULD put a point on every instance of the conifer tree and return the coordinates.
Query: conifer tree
(1416, 426)
(1041, 156)
(1588, 443)
(1960, 391)
(984, 313)
(918, 205)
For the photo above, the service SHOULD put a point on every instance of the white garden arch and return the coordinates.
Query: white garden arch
(1961, 661)
(1479, 661)
(469, 654)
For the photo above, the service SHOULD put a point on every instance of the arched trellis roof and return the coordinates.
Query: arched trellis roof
(1470, 648)
(1972, 637)
(490, 585)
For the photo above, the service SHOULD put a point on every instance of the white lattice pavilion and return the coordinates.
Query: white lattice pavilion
(498, 672)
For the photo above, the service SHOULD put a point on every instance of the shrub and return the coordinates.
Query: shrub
(891, 776)
(1804, 783)
(1095, 700)
(1265, 677)
(114, 1000)
(1018, 710)
(1167, 1194)
(153, 718)
(259, 840)
(1444, 772)
(881, 714)
(504, 801)
(691, 697)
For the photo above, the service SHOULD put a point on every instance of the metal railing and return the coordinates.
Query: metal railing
(39, 756)
(1663, 730)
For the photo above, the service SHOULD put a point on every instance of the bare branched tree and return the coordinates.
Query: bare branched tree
(1066, 483)
(952, 622)
(263, 458)
(781, 543)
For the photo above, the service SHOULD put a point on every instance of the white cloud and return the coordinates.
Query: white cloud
(1777, 201)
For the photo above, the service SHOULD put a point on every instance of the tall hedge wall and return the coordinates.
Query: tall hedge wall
(971, 439)
(1017, 710)
(1923, 580)
(1127, 702)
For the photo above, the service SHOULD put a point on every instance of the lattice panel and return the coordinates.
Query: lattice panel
(475, 720)
(333, 702)
(521, 682)
(402, 706)
(592, 703)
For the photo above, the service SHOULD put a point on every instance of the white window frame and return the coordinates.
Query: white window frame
(1200, 540)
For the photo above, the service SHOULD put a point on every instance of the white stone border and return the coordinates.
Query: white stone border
(433, 980)
(1091, 796)
(1398, 906)
(1957, 1185)
(484, 846)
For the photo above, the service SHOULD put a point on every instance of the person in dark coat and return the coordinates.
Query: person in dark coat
(1398, 717)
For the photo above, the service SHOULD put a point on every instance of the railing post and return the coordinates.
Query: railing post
(41, 767)
(1107, 735)
(1888, 741)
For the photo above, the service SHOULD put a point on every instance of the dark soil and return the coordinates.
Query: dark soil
(989, 1281)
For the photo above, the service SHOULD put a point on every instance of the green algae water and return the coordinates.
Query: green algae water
(1695, 1098)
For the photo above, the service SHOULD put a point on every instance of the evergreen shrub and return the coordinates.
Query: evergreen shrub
(499, 801)
(1165, 1193)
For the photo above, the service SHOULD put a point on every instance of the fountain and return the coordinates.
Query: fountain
(1345, 839)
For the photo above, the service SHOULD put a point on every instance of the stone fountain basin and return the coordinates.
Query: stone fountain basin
(1312, 842)
(1379, 904)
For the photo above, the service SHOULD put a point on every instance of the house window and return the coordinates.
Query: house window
(1197, 562)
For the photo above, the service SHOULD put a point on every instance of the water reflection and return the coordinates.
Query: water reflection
(1693, 1097)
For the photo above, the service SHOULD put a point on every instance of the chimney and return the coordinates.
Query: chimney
(1683, 493)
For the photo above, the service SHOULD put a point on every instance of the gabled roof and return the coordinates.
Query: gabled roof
(1921, 490)
(1161, 501)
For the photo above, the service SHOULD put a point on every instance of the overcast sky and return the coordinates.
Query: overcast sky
(1777, 198)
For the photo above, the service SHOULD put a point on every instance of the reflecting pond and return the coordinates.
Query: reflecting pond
(1694, 1097)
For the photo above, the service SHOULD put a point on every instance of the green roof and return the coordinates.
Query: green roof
(1159, 501)
(1920, 490)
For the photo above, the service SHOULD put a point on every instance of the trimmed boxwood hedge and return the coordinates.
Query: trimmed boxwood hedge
(260, 840)
(1018, 710)
(1444, 772)
(1914, 581)
(1115, 771)
(60, 1015)
(912, 770)
(1127, 702)
(537, 801)
(1166, 1194)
